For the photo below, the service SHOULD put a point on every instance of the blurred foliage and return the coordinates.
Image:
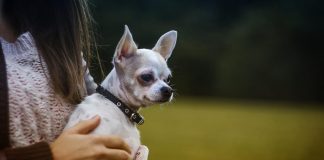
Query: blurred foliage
(266, 49)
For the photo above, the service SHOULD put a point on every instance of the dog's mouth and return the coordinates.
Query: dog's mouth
(148, 100)
(162, 100)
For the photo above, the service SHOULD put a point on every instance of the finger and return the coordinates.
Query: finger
(116, 154)
(85, 126)
(114, 142)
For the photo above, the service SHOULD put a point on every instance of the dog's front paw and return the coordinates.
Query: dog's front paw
(142, 153)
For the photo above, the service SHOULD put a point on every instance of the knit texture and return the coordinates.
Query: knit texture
(36, 113)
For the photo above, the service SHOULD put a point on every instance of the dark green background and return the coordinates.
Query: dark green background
(252, 49)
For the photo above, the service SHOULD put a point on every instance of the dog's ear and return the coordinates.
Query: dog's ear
(126, 46)
(166, 44)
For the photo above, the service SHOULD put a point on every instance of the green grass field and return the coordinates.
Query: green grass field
(225, 130)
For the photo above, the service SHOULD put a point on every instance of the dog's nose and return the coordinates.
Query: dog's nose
(166, 92)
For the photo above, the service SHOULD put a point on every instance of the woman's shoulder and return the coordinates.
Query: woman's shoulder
(24, 44)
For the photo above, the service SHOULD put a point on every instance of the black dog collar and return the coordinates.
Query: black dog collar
(132, 115)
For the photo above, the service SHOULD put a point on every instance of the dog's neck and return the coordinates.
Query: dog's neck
(113, 85)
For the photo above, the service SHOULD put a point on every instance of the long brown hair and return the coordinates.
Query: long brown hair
(61, 30)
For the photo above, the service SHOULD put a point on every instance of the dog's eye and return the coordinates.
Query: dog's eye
(147, 77)
(168, 80)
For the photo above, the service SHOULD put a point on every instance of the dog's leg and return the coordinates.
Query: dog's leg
(142, 153)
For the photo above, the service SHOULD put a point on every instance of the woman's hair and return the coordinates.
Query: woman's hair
(61, 30)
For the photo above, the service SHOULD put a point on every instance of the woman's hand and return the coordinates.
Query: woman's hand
(76, 144)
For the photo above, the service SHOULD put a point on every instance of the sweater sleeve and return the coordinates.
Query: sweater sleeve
(38, 151)
(90, 83)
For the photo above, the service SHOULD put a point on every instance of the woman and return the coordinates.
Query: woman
(42, 78)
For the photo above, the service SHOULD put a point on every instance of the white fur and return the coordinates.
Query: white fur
(123, 82)
(113, 121)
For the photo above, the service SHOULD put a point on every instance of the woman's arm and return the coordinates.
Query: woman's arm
(38, 151)
(73, 144)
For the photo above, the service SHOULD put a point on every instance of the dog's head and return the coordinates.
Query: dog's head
(143, 73)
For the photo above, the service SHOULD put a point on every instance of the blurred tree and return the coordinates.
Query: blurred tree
(247, 49)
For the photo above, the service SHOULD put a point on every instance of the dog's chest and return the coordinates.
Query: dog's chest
(113, 121)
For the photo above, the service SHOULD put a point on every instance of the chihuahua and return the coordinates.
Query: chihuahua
(140, 78)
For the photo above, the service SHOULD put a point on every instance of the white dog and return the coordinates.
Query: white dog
(140, 78)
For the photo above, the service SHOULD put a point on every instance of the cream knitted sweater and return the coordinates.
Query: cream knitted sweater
(36, 113)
